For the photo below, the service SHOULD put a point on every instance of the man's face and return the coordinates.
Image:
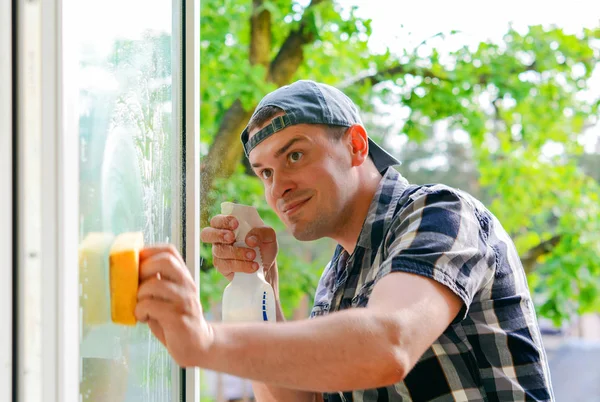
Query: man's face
(306, 179)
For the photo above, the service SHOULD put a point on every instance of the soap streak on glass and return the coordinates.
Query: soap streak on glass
(127, 183)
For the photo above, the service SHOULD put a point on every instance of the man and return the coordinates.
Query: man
(425, 298)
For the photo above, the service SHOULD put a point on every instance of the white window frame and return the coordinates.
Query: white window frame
(28, 205)
(191, 48)
(6, 213)
(47, 194)
(48, 367)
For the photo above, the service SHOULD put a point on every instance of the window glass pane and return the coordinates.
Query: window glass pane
(129, 181)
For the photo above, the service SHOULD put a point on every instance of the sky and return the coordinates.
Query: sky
(396, 23)
(477, 20)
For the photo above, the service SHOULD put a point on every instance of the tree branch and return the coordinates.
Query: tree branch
(291, 54)
(402, 69)
(529, 259)
(384, 75)
(260, 34)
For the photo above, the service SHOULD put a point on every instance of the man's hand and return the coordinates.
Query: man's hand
(169, 302)
(229, 259)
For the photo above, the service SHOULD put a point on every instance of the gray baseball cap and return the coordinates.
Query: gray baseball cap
(309, 102)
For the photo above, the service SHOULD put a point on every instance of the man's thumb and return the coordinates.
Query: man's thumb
(263, 235)
(266, 239)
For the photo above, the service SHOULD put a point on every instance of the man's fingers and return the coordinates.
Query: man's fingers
(157, 330)
(159, 289)
(154, 309)
(152, 250)
(227, 252)
(212, 235)
(227, 267)
(165, 264)
(224, 222)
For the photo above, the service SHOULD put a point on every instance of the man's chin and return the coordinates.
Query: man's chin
(304, 234)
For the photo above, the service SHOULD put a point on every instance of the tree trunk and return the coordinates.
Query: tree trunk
(223, 155)
(226, 151)
(260, 34)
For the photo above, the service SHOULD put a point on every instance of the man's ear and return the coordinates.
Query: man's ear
(359, 144)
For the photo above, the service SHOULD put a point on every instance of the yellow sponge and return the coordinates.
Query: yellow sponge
(93, 278)
(124, 276)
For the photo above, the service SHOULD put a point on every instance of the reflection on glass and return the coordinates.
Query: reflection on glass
(126, 184)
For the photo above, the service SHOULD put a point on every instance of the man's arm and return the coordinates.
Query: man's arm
(270, 393)
(353, 349)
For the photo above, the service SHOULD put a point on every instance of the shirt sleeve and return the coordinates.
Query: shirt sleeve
(441, 235)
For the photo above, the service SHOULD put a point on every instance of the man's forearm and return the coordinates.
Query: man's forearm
(270, 393)
(353, 349)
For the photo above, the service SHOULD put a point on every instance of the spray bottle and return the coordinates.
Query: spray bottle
(249, 297)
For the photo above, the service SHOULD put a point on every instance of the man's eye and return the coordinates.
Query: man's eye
(295, 156)
(265, 174)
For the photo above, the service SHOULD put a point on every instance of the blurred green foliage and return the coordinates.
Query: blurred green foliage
(519, 102)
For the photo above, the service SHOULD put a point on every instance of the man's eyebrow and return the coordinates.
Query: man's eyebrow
(284, 148)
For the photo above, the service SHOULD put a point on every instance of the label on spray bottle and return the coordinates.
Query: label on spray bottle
(249, 297)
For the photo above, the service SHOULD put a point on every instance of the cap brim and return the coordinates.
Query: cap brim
(380, 157)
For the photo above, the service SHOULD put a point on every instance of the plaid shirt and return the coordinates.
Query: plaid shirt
(493, 350)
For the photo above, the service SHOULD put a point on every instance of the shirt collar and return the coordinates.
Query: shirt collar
(382, 208)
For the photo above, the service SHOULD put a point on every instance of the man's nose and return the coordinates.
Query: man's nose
(281, 185)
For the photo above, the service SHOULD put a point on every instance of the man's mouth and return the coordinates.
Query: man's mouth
(294, 206)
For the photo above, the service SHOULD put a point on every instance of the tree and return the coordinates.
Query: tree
(517, 103)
